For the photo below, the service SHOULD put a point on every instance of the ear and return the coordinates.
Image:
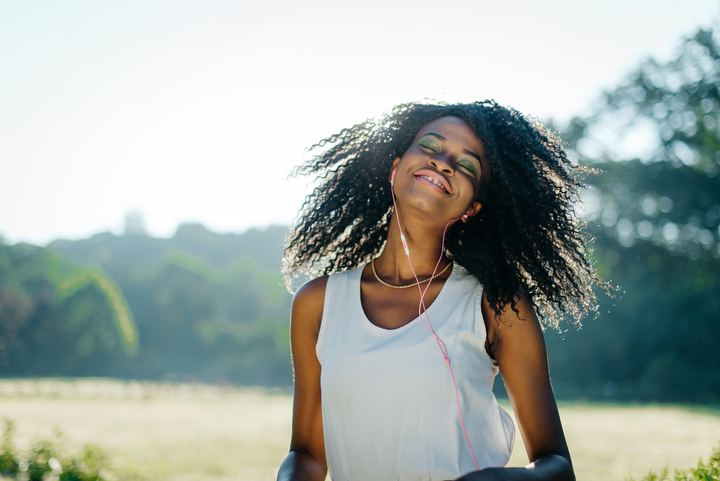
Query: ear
(472, 211)
(394, 166)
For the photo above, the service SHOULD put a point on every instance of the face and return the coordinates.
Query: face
(443, 170)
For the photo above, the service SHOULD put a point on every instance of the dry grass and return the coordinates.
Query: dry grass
(614, 442)
(194, 432)
(158, 431)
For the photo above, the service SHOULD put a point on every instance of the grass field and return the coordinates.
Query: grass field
(169, 432)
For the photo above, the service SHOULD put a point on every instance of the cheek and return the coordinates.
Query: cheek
(477, 189)
(476, 186)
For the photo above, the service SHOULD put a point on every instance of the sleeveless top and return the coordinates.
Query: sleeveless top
(388, 403)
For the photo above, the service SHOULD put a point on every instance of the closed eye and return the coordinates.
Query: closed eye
(430, 145)
(469, 166)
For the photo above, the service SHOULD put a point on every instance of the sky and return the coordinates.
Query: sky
(196, 111)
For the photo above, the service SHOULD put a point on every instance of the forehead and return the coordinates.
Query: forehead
(454, 129)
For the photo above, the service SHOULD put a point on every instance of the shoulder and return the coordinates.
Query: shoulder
(310, 293)
(307, 305)
(522, 309)
(513, 327)
(462, 281)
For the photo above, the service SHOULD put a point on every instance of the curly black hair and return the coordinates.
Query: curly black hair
(527, 235)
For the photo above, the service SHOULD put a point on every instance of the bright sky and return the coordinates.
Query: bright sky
(190, 110)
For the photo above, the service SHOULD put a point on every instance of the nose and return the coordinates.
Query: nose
(442, 163)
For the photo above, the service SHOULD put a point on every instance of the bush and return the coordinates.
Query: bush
(703, 472)
(45, 461)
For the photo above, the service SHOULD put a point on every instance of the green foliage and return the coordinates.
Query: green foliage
(709, 471)
(218, 316)
(204, 323)
(46, 459)
(123, 317)
(663, 112)
(124, 257)
(653, 341)
(57, 316)
(8, 458)
(666, 119)
(654, 213)
(655, 221)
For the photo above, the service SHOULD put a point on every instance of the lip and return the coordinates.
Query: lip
(434, 176)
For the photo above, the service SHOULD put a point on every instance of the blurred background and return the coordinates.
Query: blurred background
(145, 148)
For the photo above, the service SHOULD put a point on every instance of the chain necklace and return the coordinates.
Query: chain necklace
(409, 285)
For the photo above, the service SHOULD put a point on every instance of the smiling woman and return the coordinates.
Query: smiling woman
(440, 233)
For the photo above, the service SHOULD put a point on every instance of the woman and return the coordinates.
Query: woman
(445, 228)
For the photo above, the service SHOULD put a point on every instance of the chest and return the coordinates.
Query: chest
(365, 326)
(390, 309)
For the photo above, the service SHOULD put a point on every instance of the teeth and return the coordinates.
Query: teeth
(434, 182)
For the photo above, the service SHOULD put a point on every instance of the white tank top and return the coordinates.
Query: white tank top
(388, 402)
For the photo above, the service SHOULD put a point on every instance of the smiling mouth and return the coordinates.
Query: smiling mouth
(432, 179)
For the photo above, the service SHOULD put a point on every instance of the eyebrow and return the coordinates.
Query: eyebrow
(469, 152)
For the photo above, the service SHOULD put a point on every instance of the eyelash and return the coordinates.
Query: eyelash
(470, 168)
(431, 146)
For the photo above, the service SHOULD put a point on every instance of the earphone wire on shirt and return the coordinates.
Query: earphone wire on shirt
(423, 310)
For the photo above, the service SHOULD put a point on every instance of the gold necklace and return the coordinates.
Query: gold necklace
(409, 285)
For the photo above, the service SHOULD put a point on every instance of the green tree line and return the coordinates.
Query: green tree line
(206, 306)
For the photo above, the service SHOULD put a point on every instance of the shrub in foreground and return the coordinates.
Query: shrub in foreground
(709, 471)
(45, 461)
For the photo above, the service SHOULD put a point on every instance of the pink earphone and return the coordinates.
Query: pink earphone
(423, 310)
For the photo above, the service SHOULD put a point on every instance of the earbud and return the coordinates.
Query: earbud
(467, 214)
(392, 176)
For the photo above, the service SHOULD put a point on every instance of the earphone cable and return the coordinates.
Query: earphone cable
(423, 310)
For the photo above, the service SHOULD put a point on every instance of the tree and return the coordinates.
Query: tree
(59, 317)
(654, 211)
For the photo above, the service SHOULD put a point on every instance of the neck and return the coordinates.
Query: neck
(425, 247)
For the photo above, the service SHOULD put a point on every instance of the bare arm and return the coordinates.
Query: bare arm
(306, 460)
(522, 358)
